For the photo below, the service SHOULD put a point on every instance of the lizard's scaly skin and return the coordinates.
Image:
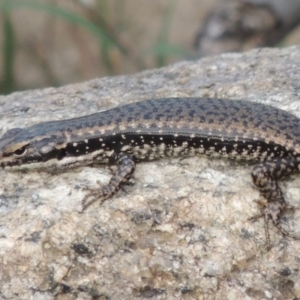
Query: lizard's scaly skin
(159, 128)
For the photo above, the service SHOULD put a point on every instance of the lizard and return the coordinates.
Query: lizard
(149, 130)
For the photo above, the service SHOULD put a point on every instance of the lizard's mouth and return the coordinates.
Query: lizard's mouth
(16, 161)
(10, 163)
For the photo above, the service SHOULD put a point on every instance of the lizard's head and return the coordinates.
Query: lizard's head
(18, 147)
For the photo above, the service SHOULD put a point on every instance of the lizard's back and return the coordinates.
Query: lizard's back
(176, 126)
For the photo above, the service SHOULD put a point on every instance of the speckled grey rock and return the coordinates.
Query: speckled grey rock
(181, 231)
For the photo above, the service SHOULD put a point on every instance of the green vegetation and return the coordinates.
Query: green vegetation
(97, 23)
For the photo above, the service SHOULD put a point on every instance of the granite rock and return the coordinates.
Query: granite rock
(180, 230)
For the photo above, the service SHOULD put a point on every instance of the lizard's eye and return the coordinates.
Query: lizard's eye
(21, 151)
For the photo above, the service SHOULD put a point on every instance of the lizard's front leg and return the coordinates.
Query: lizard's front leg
(265, 176)
(125, 169)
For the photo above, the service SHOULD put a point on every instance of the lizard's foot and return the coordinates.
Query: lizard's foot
(272, 211)
(102, 193)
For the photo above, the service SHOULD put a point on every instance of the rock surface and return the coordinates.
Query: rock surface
(181, 231)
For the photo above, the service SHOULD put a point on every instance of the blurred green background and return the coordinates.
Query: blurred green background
(56, 42)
